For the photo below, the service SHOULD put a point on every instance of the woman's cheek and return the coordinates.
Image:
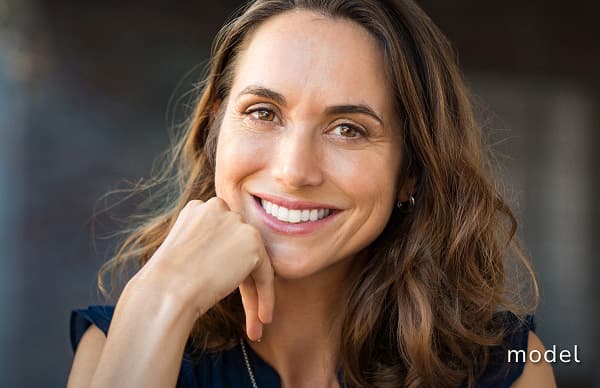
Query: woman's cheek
(359, 168)
(239, 154)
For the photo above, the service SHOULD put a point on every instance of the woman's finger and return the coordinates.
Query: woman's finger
(250, 302)
(264, 278)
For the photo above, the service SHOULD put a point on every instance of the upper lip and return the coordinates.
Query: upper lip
(293, 203)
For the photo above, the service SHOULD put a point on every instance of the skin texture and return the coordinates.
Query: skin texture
(297, 149)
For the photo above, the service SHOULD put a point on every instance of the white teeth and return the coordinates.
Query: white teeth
(283, 213)
(293, 215)
(305, 214)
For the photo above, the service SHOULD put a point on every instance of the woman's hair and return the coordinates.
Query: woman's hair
(421, 310)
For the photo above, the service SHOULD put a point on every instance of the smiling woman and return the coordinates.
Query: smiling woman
(307, 139)
(335, 224)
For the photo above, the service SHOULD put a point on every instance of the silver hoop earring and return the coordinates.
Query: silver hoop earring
(406, 206)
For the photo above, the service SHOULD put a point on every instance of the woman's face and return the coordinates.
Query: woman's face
(308, 150)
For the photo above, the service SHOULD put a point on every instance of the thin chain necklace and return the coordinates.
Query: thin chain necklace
(248, 366)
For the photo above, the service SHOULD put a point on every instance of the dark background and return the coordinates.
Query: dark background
(84, 94)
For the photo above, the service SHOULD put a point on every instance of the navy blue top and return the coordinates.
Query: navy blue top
(228, 370)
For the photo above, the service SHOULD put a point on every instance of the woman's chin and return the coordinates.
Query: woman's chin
(300, 262)
(292, 267)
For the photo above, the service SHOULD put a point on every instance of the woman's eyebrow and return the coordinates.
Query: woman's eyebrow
(360, 108)
(264, 92)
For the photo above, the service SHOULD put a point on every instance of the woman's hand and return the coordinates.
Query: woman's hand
(208, 253)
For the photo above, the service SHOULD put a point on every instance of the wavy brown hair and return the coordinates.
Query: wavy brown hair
(423, 312)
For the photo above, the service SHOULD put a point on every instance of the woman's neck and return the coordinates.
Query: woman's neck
(302, 341)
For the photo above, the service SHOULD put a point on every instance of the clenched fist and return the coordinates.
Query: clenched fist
(209, 252)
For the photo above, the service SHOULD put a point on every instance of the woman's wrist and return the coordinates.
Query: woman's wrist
(170, 304)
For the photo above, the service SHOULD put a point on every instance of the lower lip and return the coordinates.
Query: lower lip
(289, 228)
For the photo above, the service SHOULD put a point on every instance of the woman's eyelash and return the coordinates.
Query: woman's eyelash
(349, 128)
(265, 112)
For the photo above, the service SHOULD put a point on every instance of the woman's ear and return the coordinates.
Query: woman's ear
(407, 189)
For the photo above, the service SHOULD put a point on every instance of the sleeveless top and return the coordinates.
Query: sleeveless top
(228, 369)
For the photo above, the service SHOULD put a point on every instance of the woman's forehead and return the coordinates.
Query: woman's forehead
(304, 54)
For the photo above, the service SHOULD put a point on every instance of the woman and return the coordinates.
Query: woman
(333, 174)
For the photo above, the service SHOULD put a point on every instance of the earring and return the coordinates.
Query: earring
(407, 206)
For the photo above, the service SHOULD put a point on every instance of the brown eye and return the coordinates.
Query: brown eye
(265, 115)
(348, 131)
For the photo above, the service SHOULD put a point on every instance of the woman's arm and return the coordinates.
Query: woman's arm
(143, 348)
(536, 374)
(208, 253)
(86, 358)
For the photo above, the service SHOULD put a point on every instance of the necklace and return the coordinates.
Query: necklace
(248, 366)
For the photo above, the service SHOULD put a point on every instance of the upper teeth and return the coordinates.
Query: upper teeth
(293, 215)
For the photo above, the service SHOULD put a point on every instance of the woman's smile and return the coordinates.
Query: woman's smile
(308, 152)
(293, 217)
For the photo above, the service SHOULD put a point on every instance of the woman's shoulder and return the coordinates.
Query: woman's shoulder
(536, 374)
(82, 319)
(504, 367)
(207, 369)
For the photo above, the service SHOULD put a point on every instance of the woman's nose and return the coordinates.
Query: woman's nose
(296, 161)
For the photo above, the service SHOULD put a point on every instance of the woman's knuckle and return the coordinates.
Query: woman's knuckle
(194, 203)
(191, 205)
(216, 203)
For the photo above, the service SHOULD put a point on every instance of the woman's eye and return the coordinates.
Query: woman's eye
(349, 131)
(264, 114)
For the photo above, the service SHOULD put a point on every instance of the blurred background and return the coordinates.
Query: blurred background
(84, 101)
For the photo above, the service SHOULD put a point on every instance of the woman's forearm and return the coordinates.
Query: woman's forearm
(145, 342)
(183, 279)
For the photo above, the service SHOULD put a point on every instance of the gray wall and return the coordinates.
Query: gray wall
(84, 91)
